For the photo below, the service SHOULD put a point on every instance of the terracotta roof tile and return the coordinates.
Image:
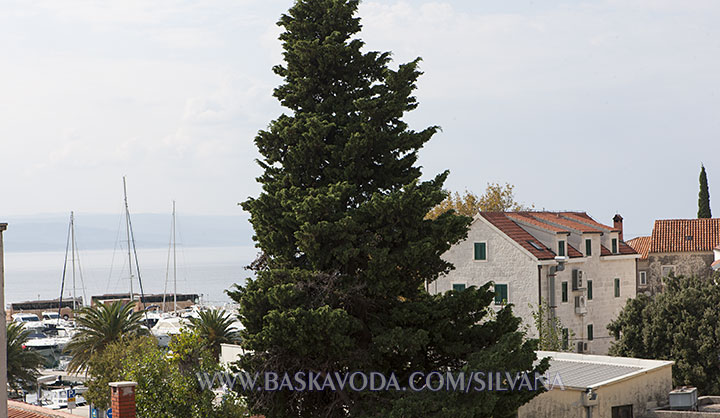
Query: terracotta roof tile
(572, 252)
(584, 218)
(685, 235)
(626, 249)
(560, 221)
(641, 245)
(23, 410)
(501, 221)
(527, 218)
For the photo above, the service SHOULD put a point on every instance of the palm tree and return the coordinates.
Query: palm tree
(215, 327)
(99, 326)
(22, 364)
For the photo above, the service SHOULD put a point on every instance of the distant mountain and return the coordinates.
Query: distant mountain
(102, 231)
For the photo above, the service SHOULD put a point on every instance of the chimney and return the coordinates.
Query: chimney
(122, 399)
(617, 224)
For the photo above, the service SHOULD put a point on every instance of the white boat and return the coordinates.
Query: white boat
(167, 327)
(30, 321)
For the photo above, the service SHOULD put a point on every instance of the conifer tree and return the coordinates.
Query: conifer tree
(704, 196)
(347, 252)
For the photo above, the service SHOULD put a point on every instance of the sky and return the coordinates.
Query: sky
(601, 106)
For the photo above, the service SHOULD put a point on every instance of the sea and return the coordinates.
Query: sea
(206, 271)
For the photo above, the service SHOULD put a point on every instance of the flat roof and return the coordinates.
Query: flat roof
(584, 371)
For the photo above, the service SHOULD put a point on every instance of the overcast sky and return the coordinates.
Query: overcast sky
(599, 106)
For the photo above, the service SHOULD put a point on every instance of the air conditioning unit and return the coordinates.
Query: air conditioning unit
(580, 305)
(578, 279)
(581, 347)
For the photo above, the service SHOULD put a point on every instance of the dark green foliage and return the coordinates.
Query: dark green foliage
(166, 382)
(347, 251)
(99, 326)
(22, 364)
(215, 327)
(679, 324)
(704, 196)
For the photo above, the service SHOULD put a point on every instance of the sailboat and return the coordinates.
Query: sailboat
(132, 254)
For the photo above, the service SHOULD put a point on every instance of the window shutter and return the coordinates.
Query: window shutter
(480, 251)
(589, 289)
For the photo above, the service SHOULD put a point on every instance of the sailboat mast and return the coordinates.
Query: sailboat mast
(72, 243)
(174, 262)
(127, 229)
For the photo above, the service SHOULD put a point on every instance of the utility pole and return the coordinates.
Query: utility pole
(3, 332)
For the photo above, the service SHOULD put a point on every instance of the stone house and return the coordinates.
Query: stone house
(580, 268)
(676, 247)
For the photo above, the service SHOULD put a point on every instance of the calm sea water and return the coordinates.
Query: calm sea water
(204, 271)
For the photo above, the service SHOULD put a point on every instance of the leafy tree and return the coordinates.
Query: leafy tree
(99, 326)
(497, 198)
(22, 364)
(704, 196)
(679, 324)
(166, 382)
(550, 336)
(347, 249)
(215, 326)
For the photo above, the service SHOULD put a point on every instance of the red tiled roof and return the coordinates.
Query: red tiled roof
(584, 218)
(527, 218)
(501, 221)
(23, 410)
(559, 220)
(572, 252)
(641, 245)
(685, 235)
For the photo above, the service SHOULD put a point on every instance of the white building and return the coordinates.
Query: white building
(581, 268)
(600, 387)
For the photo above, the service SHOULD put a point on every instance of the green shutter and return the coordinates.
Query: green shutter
(501, 294)
(590, 335)
(588, 247)
(614, 245)
(480, 251)
(459, 287)
(561, 248)
(617, 288)
(564, 291)
(589, 289)
(565, 338)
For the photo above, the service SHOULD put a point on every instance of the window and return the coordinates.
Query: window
(590, 335)
(589, 287)
(480, 251)
(564, 292)
(459, 287)
(614, 245)
(501, 294)
(588, 247)
(668, 271)
(565, 338)
(624, 411)
(617, 288)
(643, 278)
(561, 248)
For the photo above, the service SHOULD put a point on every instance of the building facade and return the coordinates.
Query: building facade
(578, 267)
(680, 247)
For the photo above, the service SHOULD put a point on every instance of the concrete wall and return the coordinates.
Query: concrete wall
(645, 392)
(506, 263)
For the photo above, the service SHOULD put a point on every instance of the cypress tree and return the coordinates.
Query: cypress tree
(347, 251)
(704, 196)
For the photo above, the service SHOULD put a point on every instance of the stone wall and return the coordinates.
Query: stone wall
(686, 264)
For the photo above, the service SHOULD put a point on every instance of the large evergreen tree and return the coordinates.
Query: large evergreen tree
(704, 196)
(347, 251)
